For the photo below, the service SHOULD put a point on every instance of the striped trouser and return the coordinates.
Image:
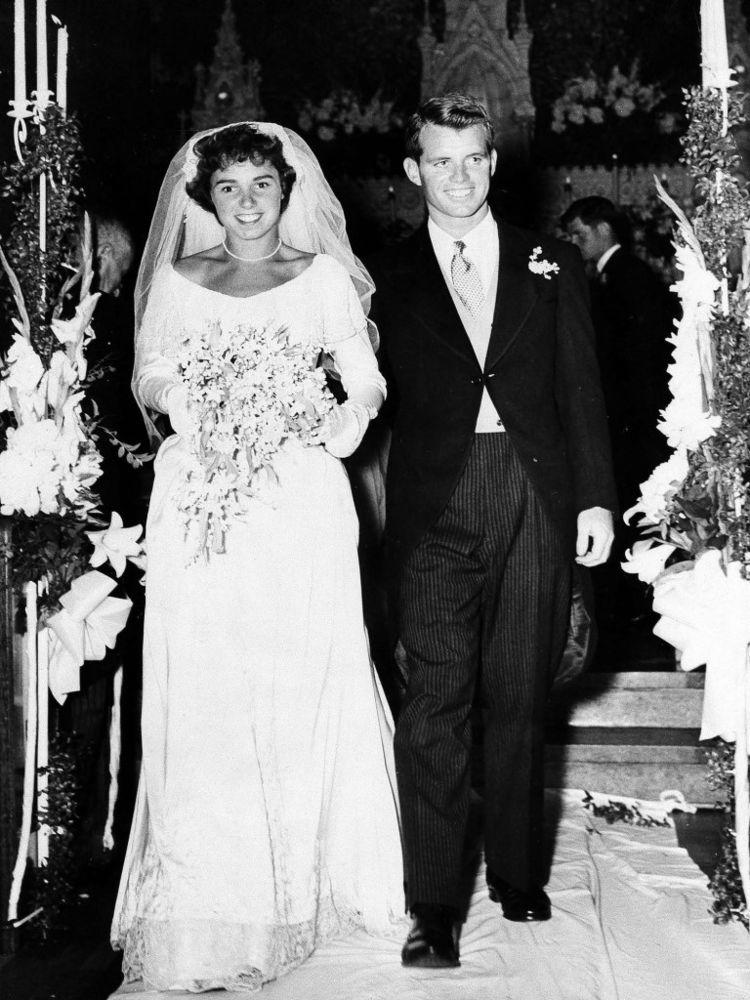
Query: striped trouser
(483, 608)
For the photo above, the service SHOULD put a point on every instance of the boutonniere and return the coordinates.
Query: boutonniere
(541, 266)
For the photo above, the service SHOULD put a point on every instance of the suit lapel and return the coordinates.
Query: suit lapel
(516, 295)
(430, 299)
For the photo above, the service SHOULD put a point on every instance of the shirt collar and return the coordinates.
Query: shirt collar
(601, 263)
(476, 240)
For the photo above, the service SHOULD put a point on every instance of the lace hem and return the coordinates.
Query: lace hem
(200, 955)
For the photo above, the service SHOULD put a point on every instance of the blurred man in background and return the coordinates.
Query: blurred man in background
(633, 315)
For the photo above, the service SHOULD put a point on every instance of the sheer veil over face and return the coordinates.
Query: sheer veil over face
(313, 222)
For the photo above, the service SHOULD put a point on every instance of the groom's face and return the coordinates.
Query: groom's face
(454, 172)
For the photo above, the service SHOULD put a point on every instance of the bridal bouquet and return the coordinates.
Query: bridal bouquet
(249, 390)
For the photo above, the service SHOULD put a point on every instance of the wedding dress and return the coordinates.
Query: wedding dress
(266, 819)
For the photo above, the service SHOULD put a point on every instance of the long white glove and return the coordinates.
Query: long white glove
(344, 428)
(178, 412)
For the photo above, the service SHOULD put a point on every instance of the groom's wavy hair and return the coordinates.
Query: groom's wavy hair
(454, 110)
(237, 144)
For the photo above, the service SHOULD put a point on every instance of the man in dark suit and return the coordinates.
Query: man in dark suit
(633, 315)
(498, 475)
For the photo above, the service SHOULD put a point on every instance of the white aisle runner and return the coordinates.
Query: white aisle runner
(630, 921)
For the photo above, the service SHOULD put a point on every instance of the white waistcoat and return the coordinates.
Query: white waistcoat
(479, 329)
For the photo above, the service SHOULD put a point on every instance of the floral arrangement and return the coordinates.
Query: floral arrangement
(353, 136)
(628, 811)
(51, 441)
(50, 462)
(249, 390)
(343, 112)
(592, 99)
(694, 507)
(598, 115)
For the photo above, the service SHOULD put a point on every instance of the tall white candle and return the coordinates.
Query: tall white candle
(29, 772)
(42, 743)
(714, 54)
(42, 219)
(42, 76)
(19, 54)
(61, 84)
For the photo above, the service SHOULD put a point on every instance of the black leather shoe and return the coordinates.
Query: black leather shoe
(517, 904)
(431, 942)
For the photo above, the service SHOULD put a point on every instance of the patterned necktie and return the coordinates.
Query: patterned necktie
(466, 280)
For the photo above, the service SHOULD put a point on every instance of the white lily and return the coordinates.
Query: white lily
(116, 544)
(647, 559)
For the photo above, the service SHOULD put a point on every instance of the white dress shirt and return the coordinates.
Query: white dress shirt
(482, 248)
(601, 263)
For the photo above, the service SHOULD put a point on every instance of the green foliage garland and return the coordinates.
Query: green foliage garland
(712, 508)
(713, 501)
(54, 150)
(726, 884)
(622, 812)
(53, 886)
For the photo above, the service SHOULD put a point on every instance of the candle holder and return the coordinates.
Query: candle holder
(19, 112)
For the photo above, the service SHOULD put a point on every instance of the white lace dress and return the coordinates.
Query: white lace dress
(266, 818)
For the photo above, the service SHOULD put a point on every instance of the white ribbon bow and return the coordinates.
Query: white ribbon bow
(706, 614)
(85, 628)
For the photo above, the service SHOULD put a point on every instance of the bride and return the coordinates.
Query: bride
(266, 819)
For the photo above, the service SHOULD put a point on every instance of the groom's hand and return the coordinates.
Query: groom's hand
(595, 535)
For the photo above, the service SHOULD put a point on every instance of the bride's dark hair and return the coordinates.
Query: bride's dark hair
(237, 144)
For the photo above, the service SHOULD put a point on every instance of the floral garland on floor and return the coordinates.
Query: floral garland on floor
(50, 460)
(694, 508)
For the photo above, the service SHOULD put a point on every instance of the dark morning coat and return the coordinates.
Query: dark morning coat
(541, 373)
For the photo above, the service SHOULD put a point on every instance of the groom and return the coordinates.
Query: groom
(499, 474)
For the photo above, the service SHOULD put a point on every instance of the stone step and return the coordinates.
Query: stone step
(638, 771)
(632, 734)
(653, 699)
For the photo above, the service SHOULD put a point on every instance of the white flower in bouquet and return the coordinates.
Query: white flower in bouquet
(660, 488)
(250, 390)
(623, 107)
(58, 380)
(647, 559)
(116, 544)
(23, 381)
(683, 427)
(25, 368)
(29, 470)
(76, 332)
(576, 114)
(590, 87)
(80, 475)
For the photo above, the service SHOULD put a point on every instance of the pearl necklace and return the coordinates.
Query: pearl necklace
(252, 259)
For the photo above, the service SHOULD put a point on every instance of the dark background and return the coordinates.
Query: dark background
(132, 62)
